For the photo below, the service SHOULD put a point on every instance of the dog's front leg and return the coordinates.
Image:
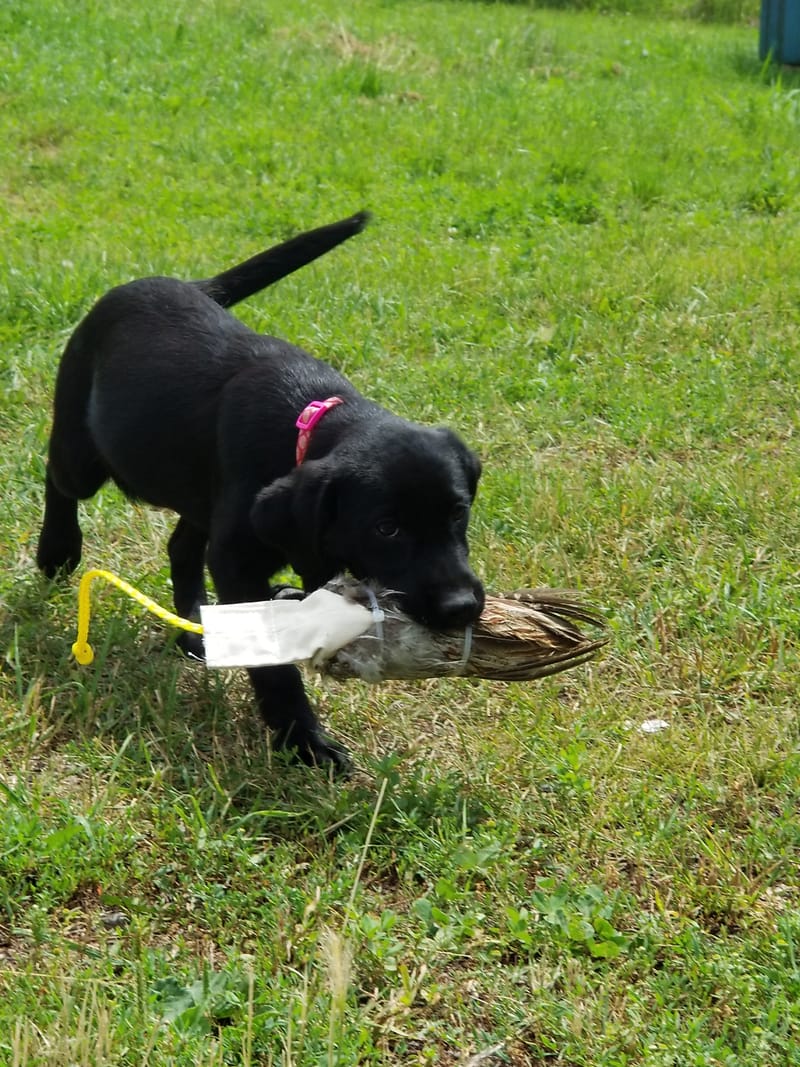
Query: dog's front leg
(286, 710)
(241, 569)
(187, 549)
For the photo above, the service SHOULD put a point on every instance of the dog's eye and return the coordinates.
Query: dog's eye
(387, 528)
(459, 513)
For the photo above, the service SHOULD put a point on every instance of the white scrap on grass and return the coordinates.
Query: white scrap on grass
(653, 726)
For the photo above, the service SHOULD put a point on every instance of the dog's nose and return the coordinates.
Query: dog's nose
(459, 608)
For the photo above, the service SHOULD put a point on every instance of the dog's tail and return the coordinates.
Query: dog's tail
(267, 267)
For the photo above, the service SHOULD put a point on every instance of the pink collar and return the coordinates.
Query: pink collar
(308, 419)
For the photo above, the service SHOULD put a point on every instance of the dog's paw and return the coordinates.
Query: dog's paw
(191, 645)
(315, 749)
(58, 554)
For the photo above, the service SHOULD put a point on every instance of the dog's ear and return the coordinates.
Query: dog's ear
(469, 462)
(472, 468)
(294, 512)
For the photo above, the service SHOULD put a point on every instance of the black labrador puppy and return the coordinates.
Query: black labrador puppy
(184, 407)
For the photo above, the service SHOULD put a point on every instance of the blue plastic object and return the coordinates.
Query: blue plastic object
(780, 31)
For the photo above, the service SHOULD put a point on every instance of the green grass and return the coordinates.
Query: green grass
(585, 255)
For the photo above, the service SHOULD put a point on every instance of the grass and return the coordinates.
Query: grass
(586, 255)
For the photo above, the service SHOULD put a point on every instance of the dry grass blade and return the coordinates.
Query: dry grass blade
(528, 634)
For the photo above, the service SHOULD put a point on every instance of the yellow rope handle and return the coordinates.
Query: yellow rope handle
(82, 650)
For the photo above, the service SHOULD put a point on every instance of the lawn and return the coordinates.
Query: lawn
(584, 255)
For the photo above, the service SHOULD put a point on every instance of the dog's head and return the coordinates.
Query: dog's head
(389, 505)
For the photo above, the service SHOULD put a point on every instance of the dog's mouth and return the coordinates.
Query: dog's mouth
(453, 609)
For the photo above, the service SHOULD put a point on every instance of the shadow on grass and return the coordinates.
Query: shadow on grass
(142, 708)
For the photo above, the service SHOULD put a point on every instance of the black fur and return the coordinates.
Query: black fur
(186, 408)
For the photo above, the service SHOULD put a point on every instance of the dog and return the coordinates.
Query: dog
(163, 391)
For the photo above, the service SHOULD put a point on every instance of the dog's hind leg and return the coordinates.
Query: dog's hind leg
(71, 476)
(75, 469)
(187, 550)
(60, 538)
